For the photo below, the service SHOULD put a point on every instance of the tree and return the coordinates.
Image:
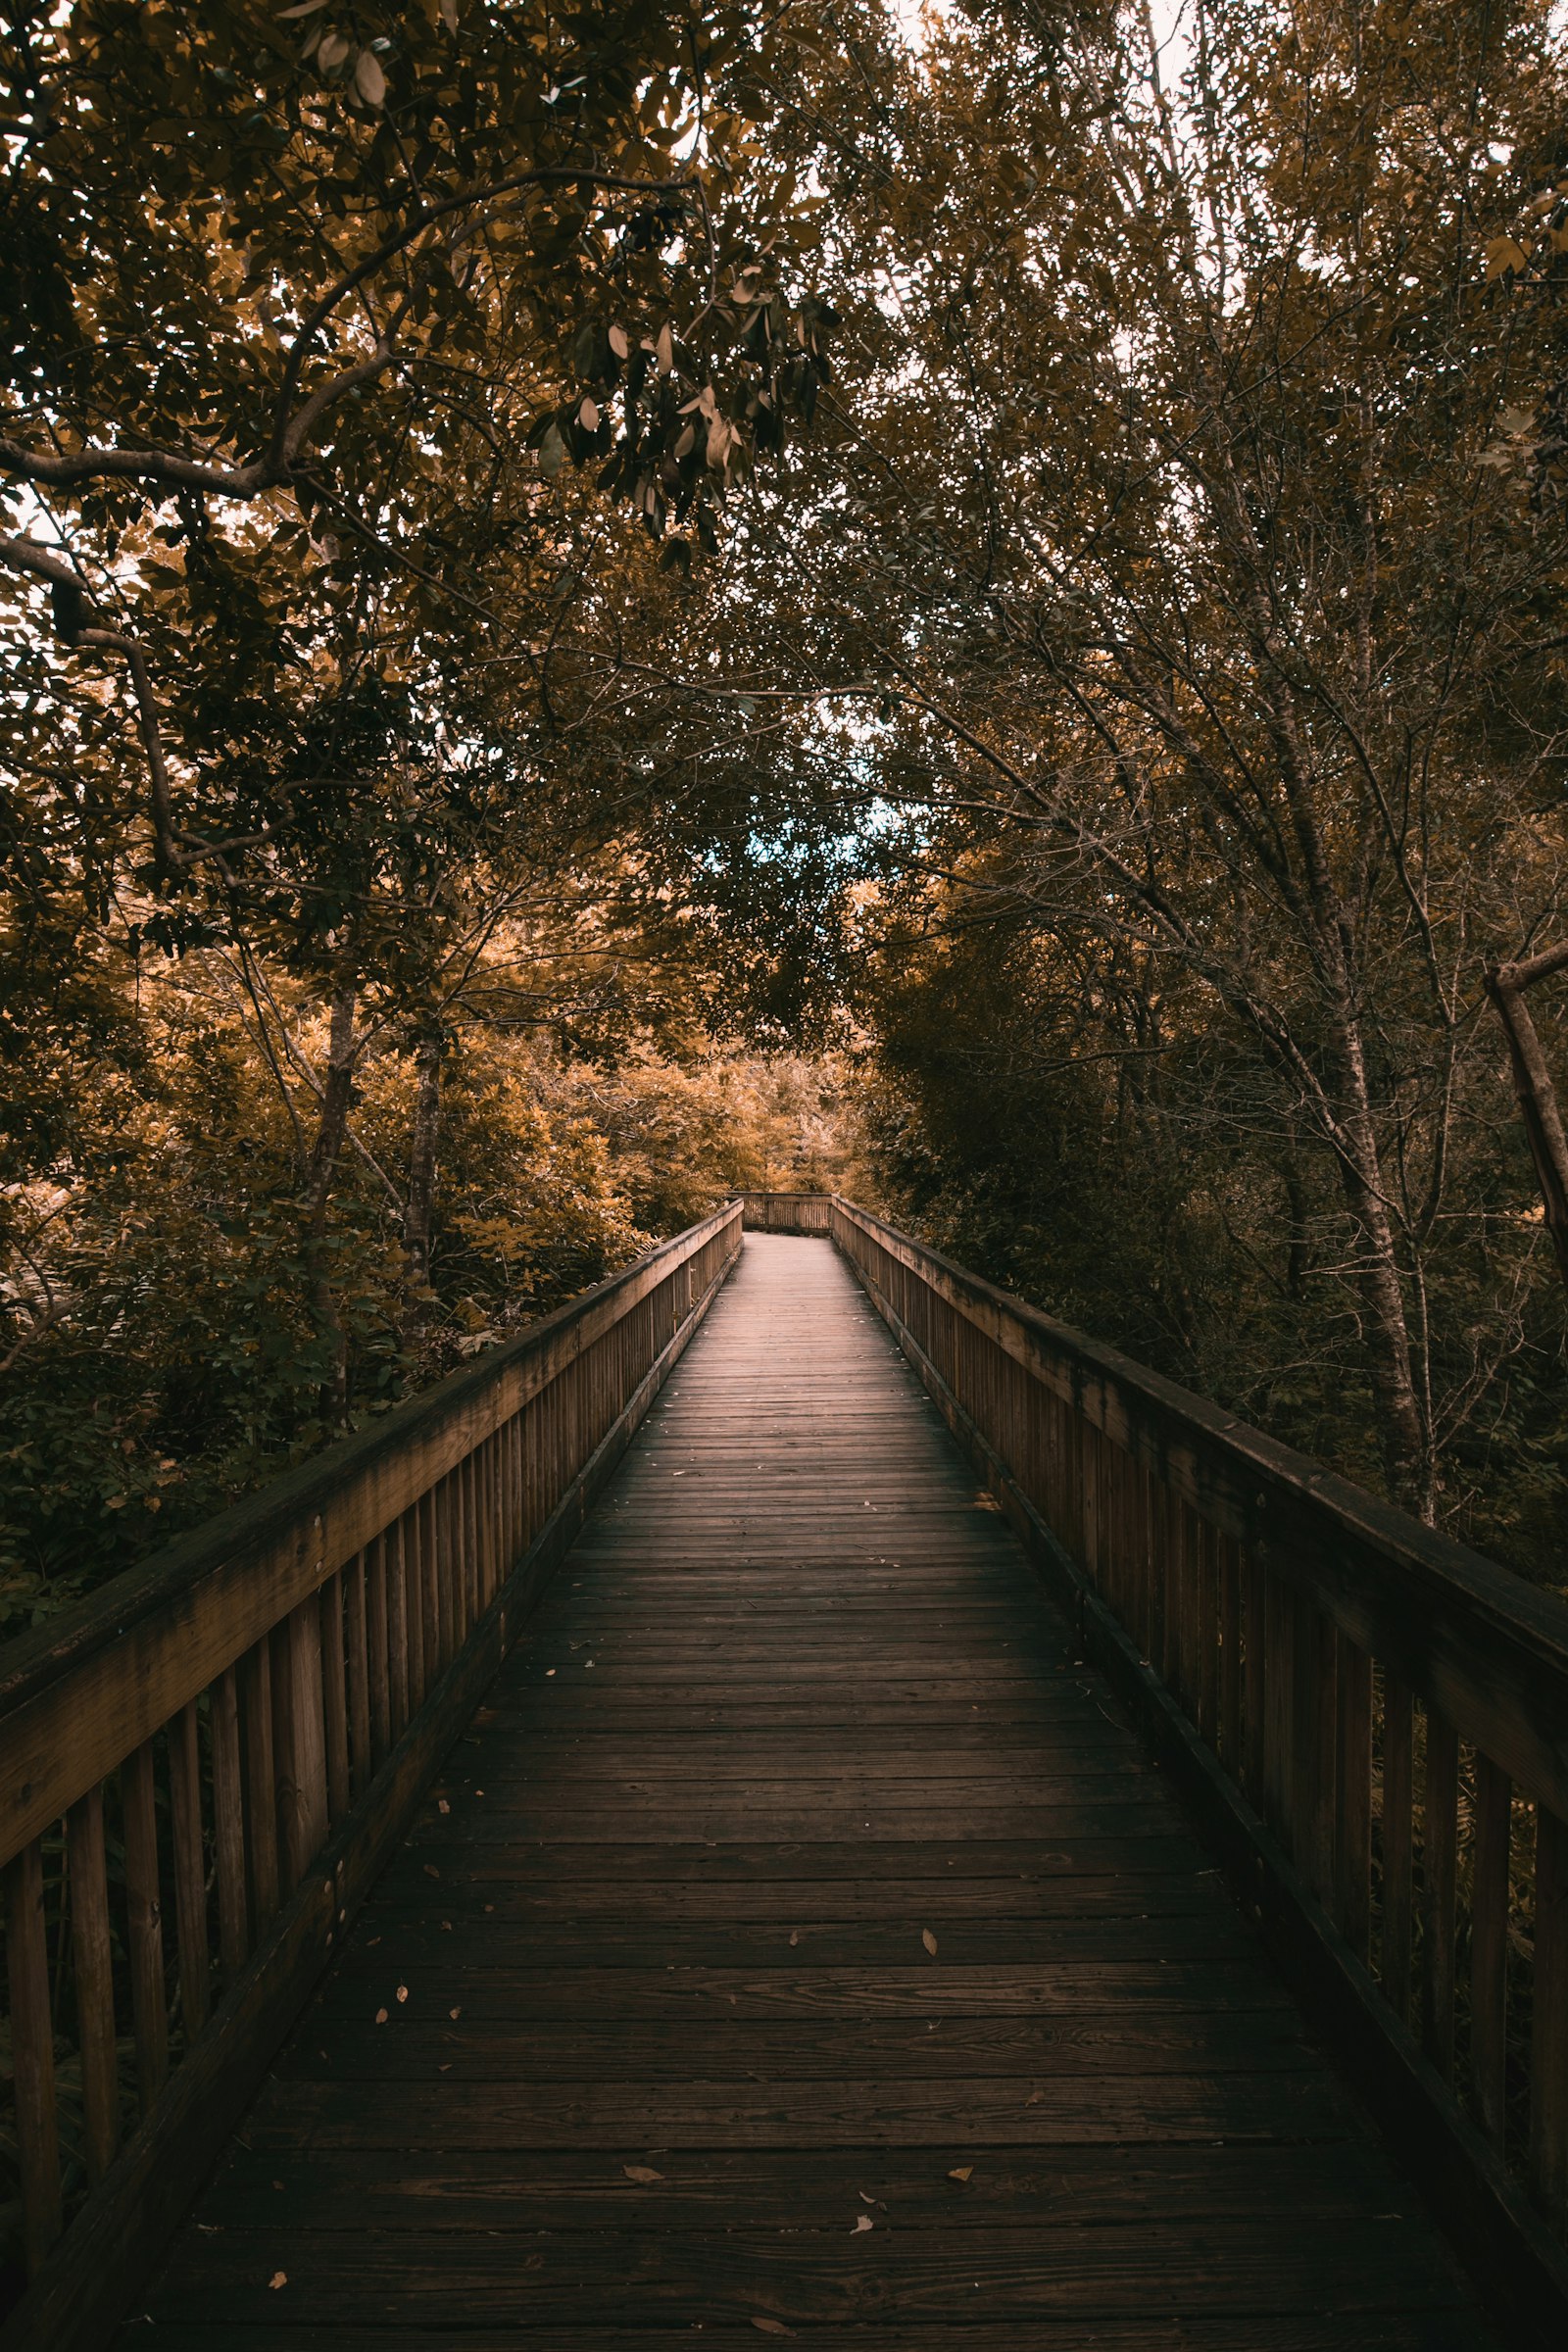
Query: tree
(1179, 534)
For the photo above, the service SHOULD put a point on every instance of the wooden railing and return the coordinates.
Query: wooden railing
(1371, 1720)
(787, 1212)
(232, 1740)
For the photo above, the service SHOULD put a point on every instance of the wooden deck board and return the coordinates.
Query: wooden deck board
(644, 2019)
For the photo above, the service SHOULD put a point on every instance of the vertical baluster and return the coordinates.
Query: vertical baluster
(429, 1588)
(1279, 1625)
(468, 1548)
(376, 1639)
(1092, 1535)
(93, 1954)
(229, 1825)
(1143, 1497)
(446, 1510)
(498, 1497)
(335, 1697)
(261, 1785)
(397, 1630)
(1183, 1525)
(1256, 1678)
(413, 1602)
(1123, 1577)
(1168, 1554)
(1549, 2041)
(302, 1741)
(1399, 1809)
(1352, 1859)
(1229, 1561)
(190, 1869)
(356, 1639)
(1181, 1642)
(33, 2052)
(1207, 1633)
(1312, 1764)
(516, 1539)
(1439, 1827)
(484, 1469)
(144, 1909)
(1488, 1948)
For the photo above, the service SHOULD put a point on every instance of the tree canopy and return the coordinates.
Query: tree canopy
(600, 604)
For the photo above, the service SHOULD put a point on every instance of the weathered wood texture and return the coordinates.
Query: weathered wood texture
(1372, 1720)
(800, 1942)
(255, 1715)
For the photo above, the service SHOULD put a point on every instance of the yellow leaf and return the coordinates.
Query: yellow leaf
(1503, 254)
(641, 2172)
(278, 2278)
(381, 2017)
(960, 2172)
(929, 1940)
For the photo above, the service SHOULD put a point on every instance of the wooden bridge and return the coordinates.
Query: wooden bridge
(798, 1797)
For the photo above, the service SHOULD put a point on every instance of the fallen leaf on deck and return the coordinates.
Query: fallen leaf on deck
(381, 2017)
(960, 2172)
(862, 2220)
(278, 2278)
(772, 2327)
(795, 1937)
(441, 1805)
(641, 2172)
(458, 2012)
(403, 1993)
(1034, 2098)
(929, 1940)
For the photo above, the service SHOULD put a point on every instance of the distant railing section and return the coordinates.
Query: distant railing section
(229, 1740)
(788, 1212)
(1374, 1718)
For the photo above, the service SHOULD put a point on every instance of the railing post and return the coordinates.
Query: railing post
(1548, 2057)
(33, 2052)
(301, 1742)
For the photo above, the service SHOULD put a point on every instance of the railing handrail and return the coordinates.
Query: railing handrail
(234, 1738)
(314, 1504)
(1506, 1620)
(1370, 1718)
(29, 1663)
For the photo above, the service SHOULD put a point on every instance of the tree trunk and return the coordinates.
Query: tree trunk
(420, 1208)
(336, 1096)
(1532, 1084)
(1406, 1450)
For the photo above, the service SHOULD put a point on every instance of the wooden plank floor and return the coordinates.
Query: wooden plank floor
(799, 1944)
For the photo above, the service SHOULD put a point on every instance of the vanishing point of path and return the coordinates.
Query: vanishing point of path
(799, 1944)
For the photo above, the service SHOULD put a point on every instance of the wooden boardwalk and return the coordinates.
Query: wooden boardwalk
(799, 1944)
